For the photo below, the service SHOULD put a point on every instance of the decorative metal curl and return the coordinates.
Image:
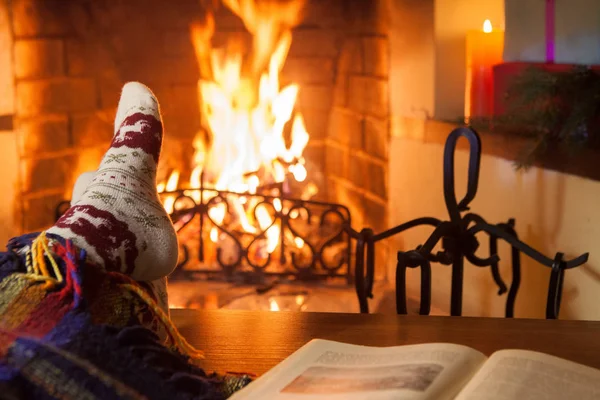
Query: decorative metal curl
(310, 267)
(194, 204)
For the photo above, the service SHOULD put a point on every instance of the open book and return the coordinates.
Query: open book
(324, 369)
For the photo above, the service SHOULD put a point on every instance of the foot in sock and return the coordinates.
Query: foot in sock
(119, 219)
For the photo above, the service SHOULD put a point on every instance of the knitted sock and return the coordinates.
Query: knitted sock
(119, 219)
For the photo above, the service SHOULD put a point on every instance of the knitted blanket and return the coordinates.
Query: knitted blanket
(70, 330)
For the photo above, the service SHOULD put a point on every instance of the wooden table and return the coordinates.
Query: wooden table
(255, 341)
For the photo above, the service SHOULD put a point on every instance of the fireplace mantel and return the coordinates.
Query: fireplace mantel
(505, 146)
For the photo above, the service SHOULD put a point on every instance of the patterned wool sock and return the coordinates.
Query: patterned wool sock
(119, 219)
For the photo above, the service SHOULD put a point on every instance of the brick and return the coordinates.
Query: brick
(110, 90)
(176, 70)
(316, 123)
(7, 77)
(345, 127)
(308, 71)
(180, 128)
(179, 100)
(57, 95)
(39, 58)
(377, 137)
(6, 123)
(176, 153)
(315, 157)
(358, 173)
(369, 96)
(336, 160)
(317, 97)
(376, 56)
(314, 43)
(377, 179)
(180, 110)
(351, 59)
(164, 15)
(377, 98)
(353, 200)
(382, 257)
(39, 213)
(43, 134)
(93, 129)
(78, 58)
(375, 214)
(88, 159)
(41, 17)
(340, 91)
(368, 17)
(176, 43)
(357, 91)
(325, 14)
(46, 173)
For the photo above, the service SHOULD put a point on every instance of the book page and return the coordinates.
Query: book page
(331, 370)
(520, 374)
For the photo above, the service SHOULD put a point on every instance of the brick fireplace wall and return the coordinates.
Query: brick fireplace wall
(358, 131)
(71, 58)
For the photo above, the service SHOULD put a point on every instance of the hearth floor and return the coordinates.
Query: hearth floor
(283, 297)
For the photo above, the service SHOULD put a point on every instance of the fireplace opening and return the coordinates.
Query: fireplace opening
(276, 121)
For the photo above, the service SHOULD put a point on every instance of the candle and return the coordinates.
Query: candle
(484, 50)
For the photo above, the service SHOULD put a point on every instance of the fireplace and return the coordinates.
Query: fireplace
(70, 58)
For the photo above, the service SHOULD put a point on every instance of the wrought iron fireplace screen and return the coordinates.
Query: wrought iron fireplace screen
(313, 243)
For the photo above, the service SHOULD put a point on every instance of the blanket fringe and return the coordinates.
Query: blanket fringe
(38, 257)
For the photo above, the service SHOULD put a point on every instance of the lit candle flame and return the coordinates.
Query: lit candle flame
(487, 26)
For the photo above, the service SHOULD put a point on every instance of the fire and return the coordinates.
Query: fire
(243, 106)
(255, 136)
(487, 26)
(171, 185)
(273, 306)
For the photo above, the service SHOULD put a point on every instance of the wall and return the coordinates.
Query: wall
(453, 18)
(577, 32)
(358, 133)
(412, 40)
(70, 61)
(553, 211)
(8, 143)
(8, 186)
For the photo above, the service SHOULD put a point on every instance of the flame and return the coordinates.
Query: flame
(169, 186)
(252, 135)
(273, 306)
(265, 221)
(487, 26)
(244, 108)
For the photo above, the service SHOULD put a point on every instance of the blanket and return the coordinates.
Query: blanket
(70, 330)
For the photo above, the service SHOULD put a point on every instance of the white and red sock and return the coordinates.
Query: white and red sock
(118, 218)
